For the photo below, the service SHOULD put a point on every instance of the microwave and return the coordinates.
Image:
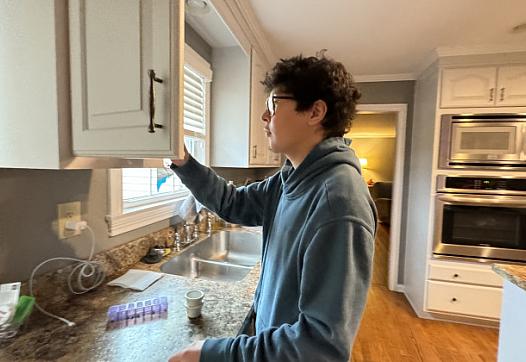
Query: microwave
(483, 141)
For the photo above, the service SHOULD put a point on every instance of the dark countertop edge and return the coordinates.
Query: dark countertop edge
(516, 274)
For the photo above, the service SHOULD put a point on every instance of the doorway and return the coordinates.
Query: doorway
(378, 135)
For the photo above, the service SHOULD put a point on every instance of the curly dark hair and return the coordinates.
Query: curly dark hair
(310, 79)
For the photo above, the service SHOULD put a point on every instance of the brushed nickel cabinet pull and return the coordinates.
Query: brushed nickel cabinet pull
(491, 93)
(502, 94)
(153, 78)
(255, 151)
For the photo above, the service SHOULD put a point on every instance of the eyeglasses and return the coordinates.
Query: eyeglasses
(271, 104)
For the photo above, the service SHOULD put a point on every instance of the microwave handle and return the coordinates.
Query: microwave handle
(482, 200)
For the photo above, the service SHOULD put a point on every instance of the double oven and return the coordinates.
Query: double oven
(479, 216)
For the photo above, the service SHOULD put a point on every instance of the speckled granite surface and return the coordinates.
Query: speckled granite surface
(514, 273)
(46, 339)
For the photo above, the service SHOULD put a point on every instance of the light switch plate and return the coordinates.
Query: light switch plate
(69, 211)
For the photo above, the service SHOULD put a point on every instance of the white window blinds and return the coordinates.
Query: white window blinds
(194, 101)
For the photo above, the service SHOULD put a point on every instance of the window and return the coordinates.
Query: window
(141, 196)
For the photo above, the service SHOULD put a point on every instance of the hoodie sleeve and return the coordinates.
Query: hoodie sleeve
(243, 205)
(335, 277)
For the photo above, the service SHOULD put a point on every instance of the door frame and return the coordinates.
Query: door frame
(398, 186)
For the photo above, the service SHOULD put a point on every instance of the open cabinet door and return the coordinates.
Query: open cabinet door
(127, 60)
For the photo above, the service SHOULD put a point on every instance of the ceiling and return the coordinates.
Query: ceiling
(389, 38)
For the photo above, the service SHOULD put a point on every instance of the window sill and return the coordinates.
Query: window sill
(140, 217)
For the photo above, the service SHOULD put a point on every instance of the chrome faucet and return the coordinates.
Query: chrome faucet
(189, 231)
(209, 222)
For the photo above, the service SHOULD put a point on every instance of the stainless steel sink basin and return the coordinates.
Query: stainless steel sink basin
(224, 256)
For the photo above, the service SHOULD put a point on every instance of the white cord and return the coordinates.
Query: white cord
(84, 269)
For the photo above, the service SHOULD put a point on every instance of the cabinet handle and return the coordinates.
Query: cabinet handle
(491, 93)
(453, 300)
(455, 275)
(153, 78)
(255, 148)
(502, 94)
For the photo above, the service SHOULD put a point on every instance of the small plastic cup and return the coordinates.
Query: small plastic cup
(194, 298)
(193, 311)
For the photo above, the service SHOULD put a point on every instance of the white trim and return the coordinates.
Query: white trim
(119, 224)
(254, 30)
(384, 77)
(398, 182)
(479, 50)
(193, 60)
(400, 288)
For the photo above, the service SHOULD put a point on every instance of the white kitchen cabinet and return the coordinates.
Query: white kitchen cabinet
(466, 289)
(468, 87)
(121, 51)
(469, 300)
(259, 149)
(238, 138)
(489, 86)
(511, 88)
(74, 83)
(261, 153)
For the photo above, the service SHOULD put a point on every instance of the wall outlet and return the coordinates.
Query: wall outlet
(69, 211)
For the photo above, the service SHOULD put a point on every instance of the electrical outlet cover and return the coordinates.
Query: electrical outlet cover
(69, 211)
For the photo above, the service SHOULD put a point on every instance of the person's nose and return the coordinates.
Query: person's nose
(265, 117)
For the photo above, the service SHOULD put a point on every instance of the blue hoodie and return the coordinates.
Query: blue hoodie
(318, 224)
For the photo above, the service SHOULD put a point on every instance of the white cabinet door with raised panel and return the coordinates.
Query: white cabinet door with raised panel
(468, 87)
(511, 88)
(126, 77)
(258, 137)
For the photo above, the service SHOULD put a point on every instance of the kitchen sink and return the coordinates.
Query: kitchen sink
(223, 256)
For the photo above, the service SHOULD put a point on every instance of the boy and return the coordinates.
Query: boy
(318, 222)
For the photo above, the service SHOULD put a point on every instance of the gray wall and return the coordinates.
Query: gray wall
(395, 92)
(197, 43)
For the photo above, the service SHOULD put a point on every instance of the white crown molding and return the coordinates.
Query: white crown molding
(384, 77)
(453, 51)
(479, 50)
(253, 30)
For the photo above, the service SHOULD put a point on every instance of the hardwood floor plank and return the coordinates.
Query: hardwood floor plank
(390, 330)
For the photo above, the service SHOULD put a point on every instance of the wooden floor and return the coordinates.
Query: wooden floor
(390, 330)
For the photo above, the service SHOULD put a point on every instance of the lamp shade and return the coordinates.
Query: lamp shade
(363, 162)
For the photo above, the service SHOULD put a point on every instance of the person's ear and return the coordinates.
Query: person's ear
(317, 112)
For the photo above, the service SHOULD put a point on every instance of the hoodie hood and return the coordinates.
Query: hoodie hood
(325, 155)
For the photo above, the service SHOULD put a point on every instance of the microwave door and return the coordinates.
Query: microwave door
(486, 142)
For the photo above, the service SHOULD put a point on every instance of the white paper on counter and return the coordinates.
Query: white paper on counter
(136, 279)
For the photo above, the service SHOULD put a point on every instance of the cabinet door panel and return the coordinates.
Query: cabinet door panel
(258, 137)
(477, 301)
(114, 44)
(511, 89)
(468, 87)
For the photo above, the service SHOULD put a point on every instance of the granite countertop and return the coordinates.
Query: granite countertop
(226, 305)
(512, 272)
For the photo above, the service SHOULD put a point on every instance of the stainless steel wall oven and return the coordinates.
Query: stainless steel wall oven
(481, 217)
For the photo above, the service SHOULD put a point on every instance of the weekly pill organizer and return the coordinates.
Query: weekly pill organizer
(124, 315)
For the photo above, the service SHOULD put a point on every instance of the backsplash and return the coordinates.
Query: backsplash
(53, 286)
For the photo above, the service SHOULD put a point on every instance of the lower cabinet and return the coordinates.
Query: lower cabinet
(465, 289)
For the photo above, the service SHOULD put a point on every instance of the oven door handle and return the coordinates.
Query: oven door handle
(482, 200)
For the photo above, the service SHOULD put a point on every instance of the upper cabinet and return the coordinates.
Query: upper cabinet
(126, 83)
(511, 88)
(77, 85)
(489, 86)
(238, 102)
(261, 153)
